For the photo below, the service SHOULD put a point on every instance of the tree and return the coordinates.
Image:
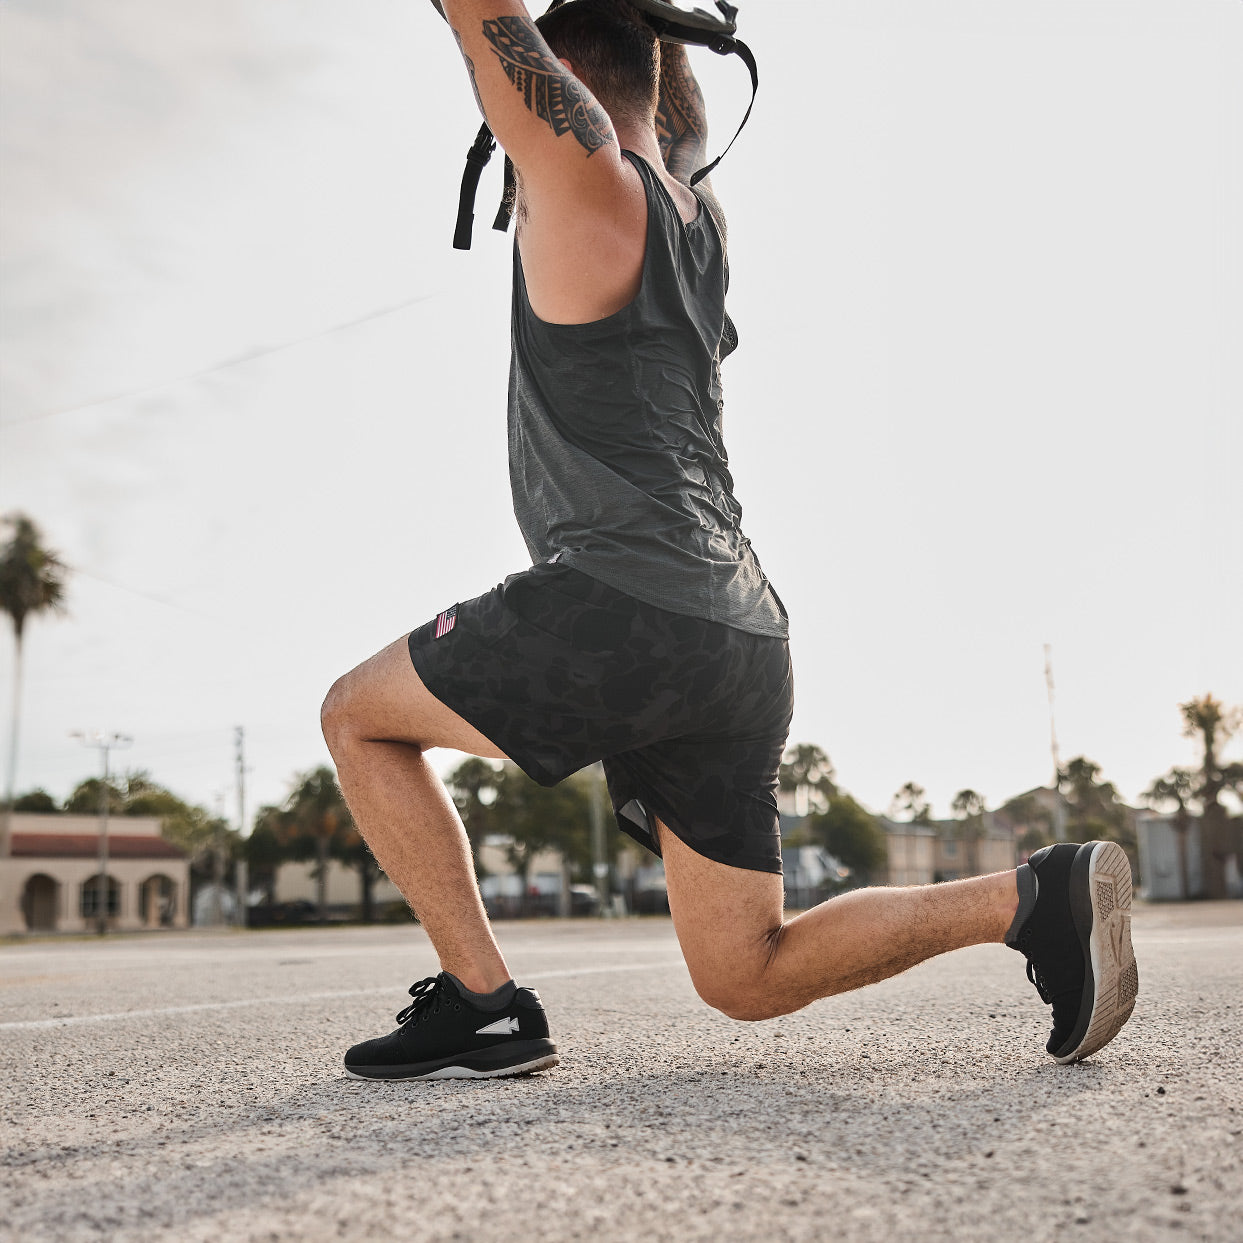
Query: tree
(1177, 787)
(1032, 820)
(912, 803)
(35, 800)
(474, 785)
(852, 836)
(1209, 720)
(32, 581)
(265, 849)
(315, 815)
(1095, 809)
(348, 847)
(968, 806)
(807, 772)
(536, 818)
(86, 798)
(501, 800)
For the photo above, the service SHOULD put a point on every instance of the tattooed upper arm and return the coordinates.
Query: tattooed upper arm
(546, 119)
(681, 118)
(547, 88)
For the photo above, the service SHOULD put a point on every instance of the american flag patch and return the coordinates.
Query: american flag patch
(445, 622)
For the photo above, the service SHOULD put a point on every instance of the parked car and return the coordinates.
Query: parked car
(271, 914)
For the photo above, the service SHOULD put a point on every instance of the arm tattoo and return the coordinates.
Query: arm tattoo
(547, 89)
(681, 121)
(470, 68)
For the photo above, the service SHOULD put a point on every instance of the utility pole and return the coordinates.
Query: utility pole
(217, 864)
(1048, 681)
(600, 865)
(1059, 805)
(241, 880)
(104, 743)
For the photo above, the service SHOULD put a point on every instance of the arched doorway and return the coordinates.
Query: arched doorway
(40, 903)
(157, 901)
(90, 898)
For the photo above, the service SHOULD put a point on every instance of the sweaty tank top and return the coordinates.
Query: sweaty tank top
(616, 458)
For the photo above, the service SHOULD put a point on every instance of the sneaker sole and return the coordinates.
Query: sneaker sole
(533, 1055)
(1100, 903)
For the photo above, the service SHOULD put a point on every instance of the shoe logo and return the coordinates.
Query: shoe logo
(502, 1027)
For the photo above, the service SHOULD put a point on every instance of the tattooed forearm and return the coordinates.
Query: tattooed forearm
(547, 89)
(681, 119)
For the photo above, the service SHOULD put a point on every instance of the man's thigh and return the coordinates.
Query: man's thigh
(725, 917)
(384, 700)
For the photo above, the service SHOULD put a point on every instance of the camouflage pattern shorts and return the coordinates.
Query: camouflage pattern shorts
(690, 717)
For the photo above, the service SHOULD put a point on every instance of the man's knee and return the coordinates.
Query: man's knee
(745, 988)
(336, 716)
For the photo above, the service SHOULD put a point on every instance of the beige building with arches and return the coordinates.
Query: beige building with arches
(49, 879)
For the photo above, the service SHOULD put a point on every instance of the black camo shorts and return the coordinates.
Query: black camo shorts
(690, 717)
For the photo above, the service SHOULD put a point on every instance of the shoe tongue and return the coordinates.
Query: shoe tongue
(495, 1000)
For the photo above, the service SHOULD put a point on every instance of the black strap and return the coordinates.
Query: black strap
(724, 46)
(505, 209)
(476, 161)
(484, 145)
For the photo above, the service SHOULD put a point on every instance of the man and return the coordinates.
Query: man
(645, 633)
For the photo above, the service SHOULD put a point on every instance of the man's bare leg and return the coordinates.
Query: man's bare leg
(748, 962)
(379, 722)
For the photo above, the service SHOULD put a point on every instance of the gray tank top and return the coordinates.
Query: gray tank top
(616, 458)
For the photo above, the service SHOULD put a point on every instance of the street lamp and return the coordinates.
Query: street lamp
(103, 743)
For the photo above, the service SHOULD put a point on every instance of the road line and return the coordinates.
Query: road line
(78, 1019)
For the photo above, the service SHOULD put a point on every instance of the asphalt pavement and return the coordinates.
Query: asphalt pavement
(188, 1086)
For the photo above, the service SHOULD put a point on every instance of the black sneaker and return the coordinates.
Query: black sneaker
(443, 1036)
(1077, 942)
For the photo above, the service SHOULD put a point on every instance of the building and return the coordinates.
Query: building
(912, 850)
(1160, 866)
(958, 856)
(49, 881)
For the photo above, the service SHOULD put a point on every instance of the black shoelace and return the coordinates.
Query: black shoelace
(427, 996)
(1035, 977)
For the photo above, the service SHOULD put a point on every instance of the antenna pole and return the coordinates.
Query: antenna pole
(1048, 681)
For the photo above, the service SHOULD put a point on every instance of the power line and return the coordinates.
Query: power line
(236, 361)
(142, 595)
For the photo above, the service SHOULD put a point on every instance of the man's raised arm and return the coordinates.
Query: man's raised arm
(548, 122)
(681, 119)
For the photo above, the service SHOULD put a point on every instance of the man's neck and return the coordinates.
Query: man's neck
(642, 140)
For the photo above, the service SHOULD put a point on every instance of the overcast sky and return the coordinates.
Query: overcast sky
(988, 278)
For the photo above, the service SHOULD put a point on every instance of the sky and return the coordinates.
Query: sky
(988, 276)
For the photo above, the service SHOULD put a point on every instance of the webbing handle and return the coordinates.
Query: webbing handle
(726, 46)
(476, 161)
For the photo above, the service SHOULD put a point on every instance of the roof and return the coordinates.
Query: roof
(86, 846)
(68, 823)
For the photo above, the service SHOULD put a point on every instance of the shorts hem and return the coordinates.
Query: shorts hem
(772, 867)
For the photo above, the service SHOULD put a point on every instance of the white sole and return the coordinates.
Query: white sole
(1114, 970)
(547, 1062)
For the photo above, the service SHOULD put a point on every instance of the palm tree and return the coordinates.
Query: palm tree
(1177, 787)
(32, 581)
(912, 802)
(807, 773)
(968, 806)
(317, 814)
(1213, 723)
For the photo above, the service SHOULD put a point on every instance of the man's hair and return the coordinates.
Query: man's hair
(613, 51)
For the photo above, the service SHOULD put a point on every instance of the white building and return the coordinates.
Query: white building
(49, 880)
